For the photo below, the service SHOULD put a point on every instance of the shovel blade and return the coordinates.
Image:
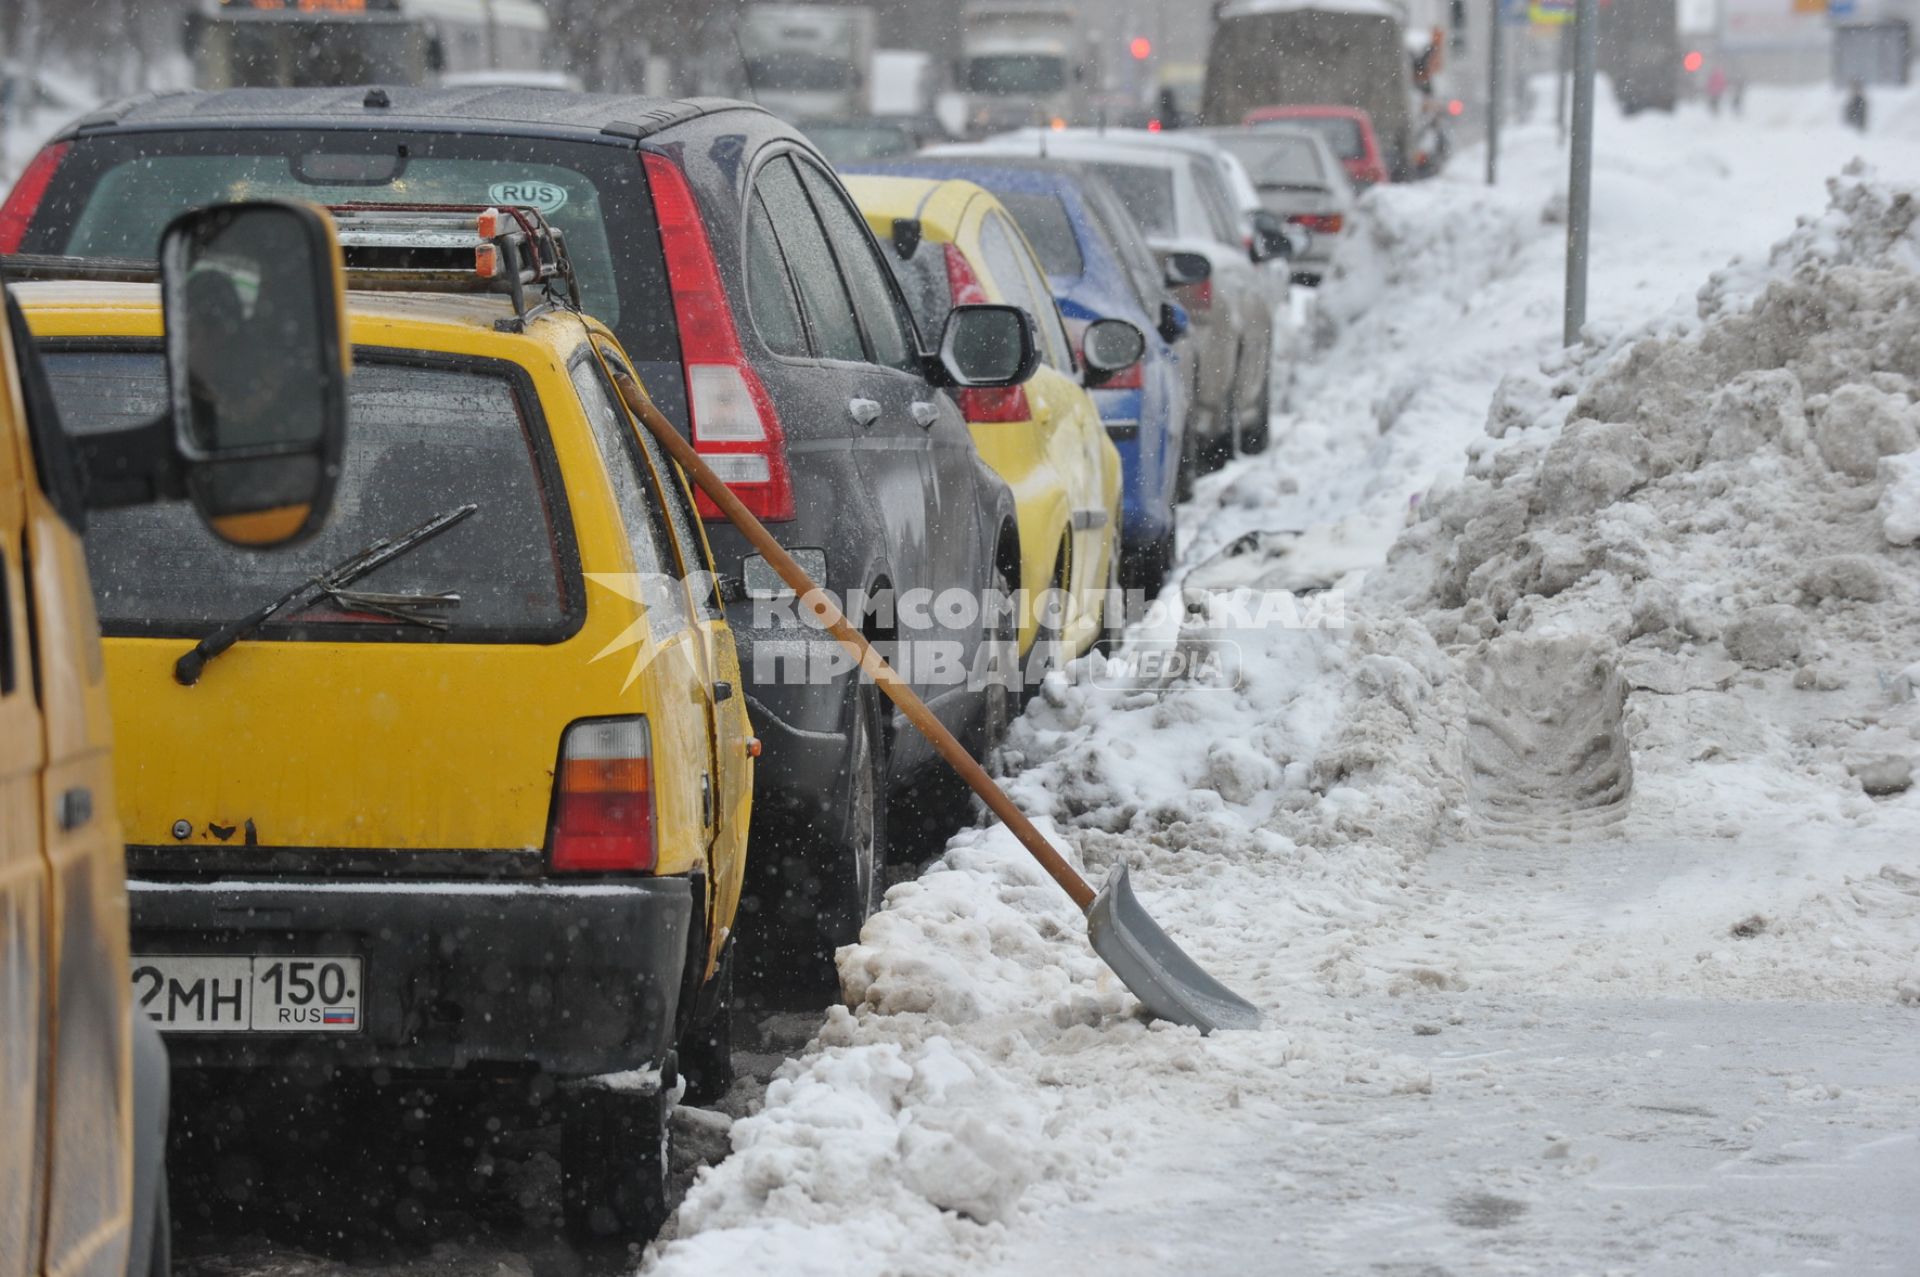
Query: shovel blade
(1168, 983)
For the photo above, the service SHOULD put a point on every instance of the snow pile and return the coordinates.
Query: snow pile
(1716, 515)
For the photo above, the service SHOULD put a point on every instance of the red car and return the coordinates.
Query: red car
(1348, 130)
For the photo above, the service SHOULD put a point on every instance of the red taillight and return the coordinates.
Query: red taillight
(1319, 223)
(982, 406)
(1196, 296)
(961, 281)
(602, 817)
(24, 202)
(734, 424)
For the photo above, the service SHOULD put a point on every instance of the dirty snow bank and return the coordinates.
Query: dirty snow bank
(1698, 531)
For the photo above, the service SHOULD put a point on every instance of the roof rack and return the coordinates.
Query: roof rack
(459, 248)
(467, 248)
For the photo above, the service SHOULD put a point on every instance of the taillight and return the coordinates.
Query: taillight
(24, 202)
(733, 421)
(1319, 223)
(982, 405)
(961, 281)
(602, 818)
(1196, 296)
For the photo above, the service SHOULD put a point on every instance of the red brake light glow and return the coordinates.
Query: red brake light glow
(734, 424)
(1319, 223)
(18, 211)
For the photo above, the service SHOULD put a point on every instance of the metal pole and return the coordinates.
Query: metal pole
(1495, 73)
(1580, 167)
(1562, 48)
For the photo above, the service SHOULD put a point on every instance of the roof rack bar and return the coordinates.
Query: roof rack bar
(459, 247)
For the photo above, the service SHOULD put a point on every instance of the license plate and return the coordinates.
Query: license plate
(199, 994)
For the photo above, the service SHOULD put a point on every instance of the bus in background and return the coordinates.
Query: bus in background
(257, 44)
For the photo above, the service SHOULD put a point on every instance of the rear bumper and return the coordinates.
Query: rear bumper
(571, 979)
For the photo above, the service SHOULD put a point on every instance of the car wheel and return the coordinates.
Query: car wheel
(1189, 464)
(999, 700)
(613, 1165)
(1113, 606)
(1049, 642)
(1218, 450)
(1149, 568)
(706, 1050)
(1255, 435)
(859, 865)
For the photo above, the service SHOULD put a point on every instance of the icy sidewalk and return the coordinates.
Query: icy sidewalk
(1582, 946)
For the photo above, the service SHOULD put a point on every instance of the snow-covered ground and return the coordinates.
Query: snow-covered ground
(1577, 874)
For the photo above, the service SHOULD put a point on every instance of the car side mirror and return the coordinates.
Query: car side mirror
(988, 346)
(1110, 347)
(1270, 239)
(1174, 322)
(257, 363)
(1183, 269)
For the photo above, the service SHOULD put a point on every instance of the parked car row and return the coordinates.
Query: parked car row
(460, 784)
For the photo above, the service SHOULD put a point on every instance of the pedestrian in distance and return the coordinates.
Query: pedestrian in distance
(1856, 112)
(1716, 89)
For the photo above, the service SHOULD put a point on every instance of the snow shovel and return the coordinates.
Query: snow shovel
(1168, 983)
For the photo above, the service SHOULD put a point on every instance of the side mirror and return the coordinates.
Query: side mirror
(1174, 322)
(988, 347)
(1111, 346)
(257, 362)
(1183, 269)
(1270, 239)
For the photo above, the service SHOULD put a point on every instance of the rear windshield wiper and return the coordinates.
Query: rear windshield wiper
(328, 583)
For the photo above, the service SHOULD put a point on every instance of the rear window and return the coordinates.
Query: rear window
(1048, 228)
(113, 195)
(1146, 191)
(1342, 133)
(425, 439)
(1278, 163)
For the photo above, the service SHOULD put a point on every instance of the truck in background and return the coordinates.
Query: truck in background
(807, 61)
(1639, 51)
(265, 44)
(1348, 53)
(1019, 66)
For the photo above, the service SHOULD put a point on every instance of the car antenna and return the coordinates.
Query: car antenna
(746, 67)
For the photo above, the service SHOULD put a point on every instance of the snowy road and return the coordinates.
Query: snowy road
(1584, 945)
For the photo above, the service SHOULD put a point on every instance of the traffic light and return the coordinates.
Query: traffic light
(1141, 48)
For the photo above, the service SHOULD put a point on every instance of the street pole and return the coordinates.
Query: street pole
(1495, 73)
(1580, 166)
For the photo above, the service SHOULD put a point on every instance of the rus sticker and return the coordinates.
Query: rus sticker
(548, 197)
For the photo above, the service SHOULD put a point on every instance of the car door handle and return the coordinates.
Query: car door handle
(865, 411)
(925, 413)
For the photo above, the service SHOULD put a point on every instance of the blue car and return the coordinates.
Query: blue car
(1100, 267)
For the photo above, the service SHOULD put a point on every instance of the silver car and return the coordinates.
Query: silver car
(1301, 180)
(1180, 191)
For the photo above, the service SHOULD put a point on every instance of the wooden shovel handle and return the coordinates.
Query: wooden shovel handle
(815, 600)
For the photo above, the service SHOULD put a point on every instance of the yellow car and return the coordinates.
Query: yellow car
(468, 791)
(952, 242)
(83, 1083)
